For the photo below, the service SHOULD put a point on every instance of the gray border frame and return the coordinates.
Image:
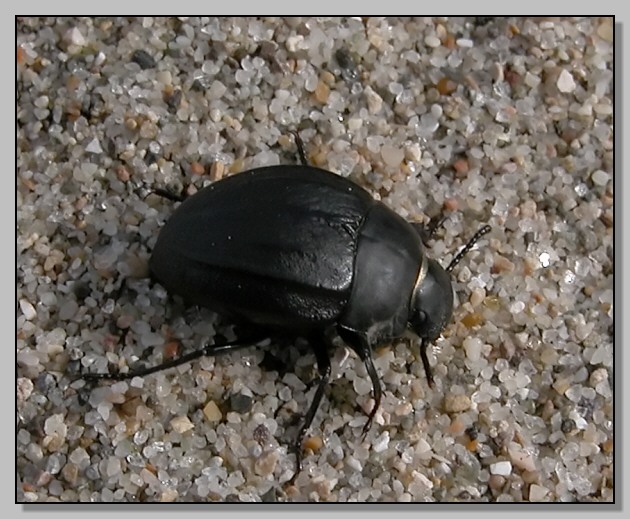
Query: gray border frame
(349, 510)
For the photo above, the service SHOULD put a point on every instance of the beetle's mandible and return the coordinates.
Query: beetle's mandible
(303, 250)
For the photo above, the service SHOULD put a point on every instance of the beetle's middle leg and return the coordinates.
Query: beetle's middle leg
(323, 367)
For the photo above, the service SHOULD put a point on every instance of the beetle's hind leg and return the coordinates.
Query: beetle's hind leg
(211, 349)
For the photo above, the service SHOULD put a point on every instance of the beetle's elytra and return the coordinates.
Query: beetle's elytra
(302, 250)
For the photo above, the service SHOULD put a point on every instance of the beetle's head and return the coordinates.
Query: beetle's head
(432, 298)
(432, 301)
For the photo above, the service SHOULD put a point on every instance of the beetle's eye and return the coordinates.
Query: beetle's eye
(422, 316)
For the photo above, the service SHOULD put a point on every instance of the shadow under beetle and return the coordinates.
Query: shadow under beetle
(302, 250)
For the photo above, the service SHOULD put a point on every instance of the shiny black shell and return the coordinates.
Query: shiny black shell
(275, 246)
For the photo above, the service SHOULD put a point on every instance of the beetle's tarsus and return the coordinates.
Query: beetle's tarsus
(376, 388)
(427, 231)
(425, 363)
(434, 224)
(165, 193)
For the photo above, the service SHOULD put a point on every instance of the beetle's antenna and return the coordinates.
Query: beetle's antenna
(484, 230)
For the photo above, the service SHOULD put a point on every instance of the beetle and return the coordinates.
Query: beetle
(302, 250)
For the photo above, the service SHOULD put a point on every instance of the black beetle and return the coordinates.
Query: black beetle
(303, 250)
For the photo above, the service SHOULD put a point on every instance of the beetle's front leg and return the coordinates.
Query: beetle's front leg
(364, 350)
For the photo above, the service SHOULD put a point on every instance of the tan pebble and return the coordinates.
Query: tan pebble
(148, 130)
(548, 410)
(123, 174)
(403, 409)
(472, 319)
(313, 443)
(522, 460)
(374, 101)
(318, 157)
(528, 208)
(171, 349)
(21, 56)
(530, 476)
(456, 428)
(237, 166)
(446, 86)
(291, 491)
(449, 42)
(496, 482)
(327, 77)
(322, 92)
(502, 264)
(53, 442)
(451, 204)
(130, 407)
(549, 356)
(565, 82)
(69, 472)
(323, 487)
(285, 141)
(132, 426)
(413, 152)
(212, 412)
(606, 31)
(169, 495)
(561, 385)
(217, 170)
(471, 82)
(537, 493)
(472, 445)
(497, 72)
(181, 424)
(131, 123)
(456, 403)
(461, 166)
(44, 478)
(608, 446)
(392, 156)
(477, 296)
(196, 168)
(266, 464)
